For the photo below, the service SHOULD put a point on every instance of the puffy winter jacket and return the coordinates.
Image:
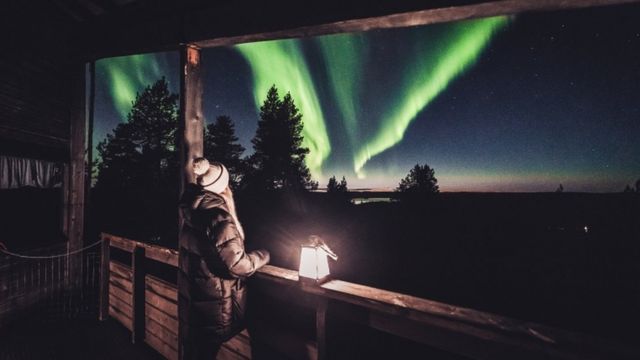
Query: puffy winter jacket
(213, 268)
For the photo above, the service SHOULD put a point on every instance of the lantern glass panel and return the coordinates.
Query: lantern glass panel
(313, 263)
(308, 267)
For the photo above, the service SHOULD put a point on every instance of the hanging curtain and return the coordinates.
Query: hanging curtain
(18, 172)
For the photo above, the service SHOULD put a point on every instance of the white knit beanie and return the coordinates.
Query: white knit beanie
(213, 177)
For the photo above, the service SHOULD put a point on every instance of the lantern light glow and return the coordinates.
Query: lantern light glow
(313, 260)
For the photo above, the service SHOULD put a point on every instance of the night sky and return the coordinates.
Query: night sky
(520, 103)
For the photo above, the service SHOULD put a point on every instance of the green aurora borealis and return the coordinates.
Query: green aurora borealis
(128, 75)
(282, 63)
(425, 79)
(375, 103)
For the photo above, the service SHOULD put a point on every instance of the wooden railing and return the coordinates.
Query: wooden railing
(37, 283)
(147, 306)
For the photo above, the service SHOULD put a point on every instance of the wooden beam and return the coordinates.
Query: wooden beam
(91, 112)
(75, 185)
(121, 243)
(415, 18)
(153, 252)
(190, 131)
(191, 24)
(191, 124)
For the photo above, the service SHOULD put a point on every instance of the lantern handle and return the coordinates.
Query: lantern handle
(327, 250)
(317, 241)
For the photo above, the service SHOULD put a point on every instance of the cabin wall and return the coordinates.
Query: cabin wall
(35, 92)
(34, 109)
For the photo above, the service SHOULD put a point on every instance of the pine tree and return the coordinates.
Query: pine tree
(342, 187)
(136, 188)
(142, 151)
(279, 158)
(221, 145)
(421, 180)
(332, 185)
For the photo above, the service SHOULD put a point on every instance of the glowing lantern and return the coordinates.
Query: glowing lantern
(314, 266)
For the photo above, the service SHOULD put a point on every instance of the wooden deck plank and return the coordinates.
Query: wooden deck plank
(162, 288)
(154, 252)
(167, 306)
(122, 283)
(122, 306)
(120, 294)
(163, 348)
(169, 322)
(121, 270)
(121, 317)
(162, 333)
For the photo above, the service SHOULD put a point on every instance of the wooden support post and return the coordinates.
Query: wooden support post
(89, 222)
(190, 133)
(104, 278)
(139, 272)
(321, 328)
(75, 186)
(191, 117)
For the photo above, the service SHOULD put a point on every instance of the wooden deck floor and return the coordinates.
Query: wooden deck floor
(70, 339)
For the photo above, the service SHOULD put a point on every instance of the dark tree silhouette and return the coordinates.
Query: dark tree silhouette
(334, 187)
(342, 187)
(628, 189)
(221, 144)
(421, 180)
(137, 172)
(142, 152)
(638, 186)
(279, 158)
(560, 188)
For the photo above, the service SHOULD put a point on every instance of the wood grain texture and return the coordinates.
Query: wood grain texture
(167, 336)
(169, 322)
(162, 288)
(163, 348)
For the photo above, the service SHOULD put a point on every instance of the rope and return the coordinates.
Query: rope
(3, 249)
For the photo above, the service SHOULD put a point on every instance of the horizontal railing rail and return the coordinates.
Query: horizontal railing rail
(458, 330)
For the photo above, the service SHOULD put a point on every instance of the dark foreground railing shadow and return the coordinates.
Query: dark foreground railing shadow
(291, 320)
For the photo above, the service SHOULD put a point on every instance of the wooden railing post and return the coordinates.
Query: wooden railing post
(104, 278)
(139, 273)
(321, 328)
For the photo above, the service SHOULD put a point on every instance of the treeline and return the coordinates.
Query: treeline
(142, 154)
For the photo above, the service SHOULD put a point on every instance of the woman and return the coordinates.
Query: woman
(213, 263)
